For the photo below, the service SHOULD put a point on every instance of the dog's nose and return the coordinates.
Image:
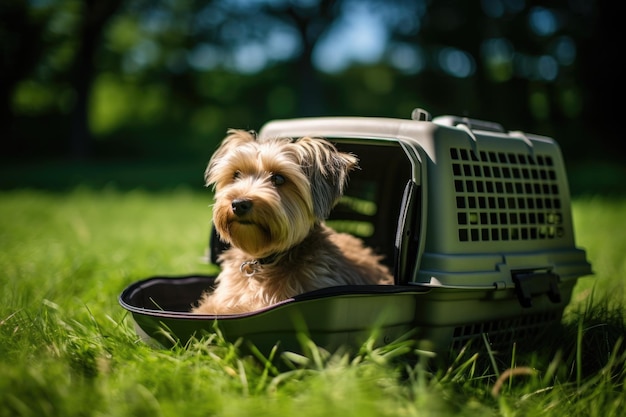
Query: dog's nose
(241, 206)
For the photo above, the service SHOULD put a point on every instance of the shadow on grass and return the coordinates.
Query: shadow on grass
(123, 174)
(597, 178)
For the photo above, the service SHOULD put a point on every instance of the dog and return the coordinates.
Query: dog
(271, 199)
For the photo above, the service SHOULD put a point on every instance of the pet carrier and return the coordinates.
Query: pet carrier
(474, 221)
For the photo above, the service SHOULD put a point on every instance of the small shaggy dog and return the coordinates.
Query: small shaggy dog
(271, 198)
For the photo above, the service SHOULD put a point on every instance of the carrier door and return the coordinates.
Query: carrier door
(373, 201)
(408, 233)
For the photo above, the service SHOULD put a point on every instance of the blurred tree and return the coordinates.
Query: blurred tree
(600, 75)
(177, 72)
(310, 21)
(520, 61)
(21, 49)
(517, 62)
(94, 15)
(248, 37)
(49, 51)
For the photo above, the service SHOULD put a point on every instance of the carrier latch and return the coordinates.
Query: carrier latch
(533, 283)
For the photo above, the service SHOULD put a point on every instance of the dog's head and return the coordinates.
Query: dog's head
(270, 193)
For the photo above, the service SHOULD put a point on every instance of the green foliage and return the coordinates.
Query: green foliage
(67, 348)
(128, 69)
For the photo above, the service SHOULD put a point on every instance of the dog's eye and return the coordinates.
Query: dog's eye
(236, 174)
(277, 179)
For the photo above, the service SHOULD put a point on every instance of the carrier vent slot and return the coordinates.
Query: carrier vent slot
(503, 196)
(502, 333)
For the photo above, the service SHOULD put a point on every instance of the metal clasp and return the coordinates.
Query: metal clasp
(249, 268)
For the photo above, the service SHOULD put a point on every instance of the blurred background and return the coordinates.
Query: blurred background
(138, 93)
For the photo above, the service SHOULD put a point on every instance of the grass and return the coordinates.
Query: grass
(67, 348)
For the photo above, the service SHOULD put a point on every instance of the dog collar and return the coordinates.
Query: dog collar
(249, 268)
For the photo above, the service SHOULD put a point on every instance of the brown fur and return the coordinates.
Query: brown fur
(279, 244)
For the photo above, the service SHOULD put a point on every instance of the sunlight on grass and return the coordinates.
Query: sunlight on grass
(67, 348)
(600, 227)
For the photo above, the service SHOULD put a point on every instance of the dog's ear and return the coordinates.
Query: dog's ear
(327, 170)
(234, 138)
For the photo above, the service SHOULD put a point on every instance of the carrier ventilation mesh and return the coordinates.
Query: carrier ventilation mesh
(506, 196)
(503, 333)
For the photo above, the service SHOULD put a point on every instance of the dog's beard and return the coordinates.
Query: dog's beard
(252, 238)
(276, 222)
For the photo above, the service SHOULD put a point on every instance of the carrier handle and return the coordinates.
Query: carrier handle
(534, 283)
(472, 124)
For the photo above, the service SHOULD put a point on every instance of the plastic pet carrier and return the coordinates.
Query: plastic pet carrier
(474, 221)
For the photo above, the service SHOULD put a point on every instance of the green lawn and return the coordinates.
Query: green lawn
(68, 349)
